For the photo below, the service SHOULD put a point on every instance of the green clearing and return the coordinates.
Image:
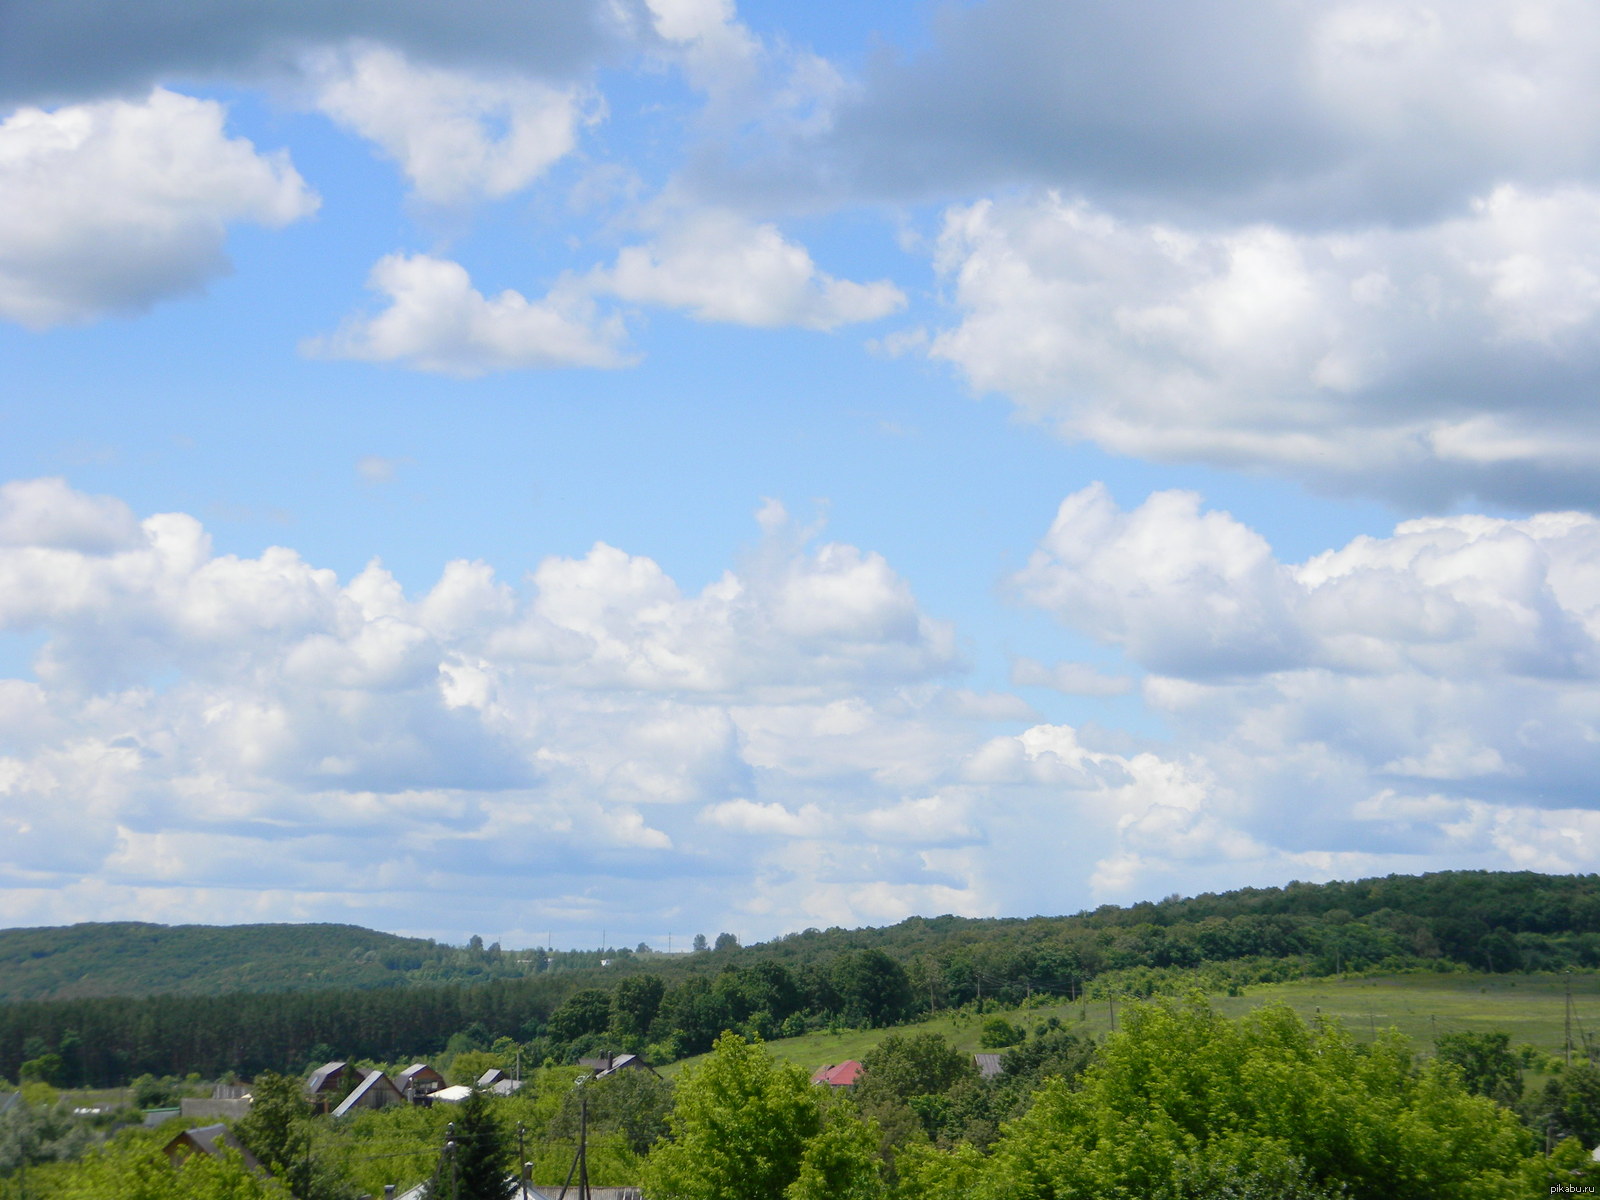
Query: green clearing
(1531, 1008)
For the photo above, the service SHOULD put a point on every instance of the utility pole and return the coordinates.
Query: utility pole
(580, 1161)
(522, 1157)
(583, 1146)
(1569, 1020)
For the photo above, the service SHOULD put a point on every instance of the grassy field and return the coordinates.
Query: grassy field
(1531, 1008)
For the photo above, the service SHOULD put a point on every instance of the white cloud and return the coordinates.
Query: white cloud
(1429, 361)
(720, 267)
(202, 722)
(110, 207)
(785, 746)
(437, 321)
(1367, 111)
(746, 816)
(1353, 704)
(1072, 678)
(718, 52)
(457, 136)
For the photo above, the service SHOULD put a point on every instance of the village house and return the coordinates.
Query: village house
(838, 1075)
(376, 1090)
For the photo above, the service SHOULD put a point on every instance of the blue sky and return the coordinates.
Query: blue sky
(664, 467)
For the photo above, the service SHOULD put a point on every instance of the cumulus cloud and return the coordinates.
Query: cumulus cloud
(110, 207)
(81, 49)
(437, 321)
(455, 135)
(720, 267)
(1355, 703)
(206, 721)
(1422, 363)
(1310, 115)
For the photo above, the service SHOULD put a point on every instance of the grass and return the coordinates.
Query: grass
(1531, 1008)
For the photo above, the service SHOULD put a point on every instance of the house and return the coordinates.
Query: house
(418, 1081)
(376, 1090)
(327, 1080)
(209, 1140)
(7, 1099)
(452, 1095)
(988, 1065)
(489, 1078)
(610, 1064)
(845, 1074)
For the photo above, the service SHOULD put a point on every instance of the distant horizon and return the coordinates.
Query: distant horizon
(687, 946)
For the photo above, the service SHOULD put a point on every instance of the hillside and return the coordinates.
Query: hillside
(130, 958)
(1495, 921)
(133, 999)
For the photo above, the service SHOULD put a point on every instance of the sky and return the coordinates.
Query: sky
(611, 470)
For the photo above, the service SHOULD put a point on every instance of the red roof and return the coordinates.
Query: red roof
(842, 1074)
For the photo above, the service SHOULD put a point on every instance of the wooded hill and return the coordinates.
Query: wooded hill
(673, 1005)
(133, 958)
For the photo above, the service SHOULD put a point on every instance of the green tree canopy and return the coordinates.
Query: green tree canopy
(1186, 1104)
(740, 1127)
(1488, 1066)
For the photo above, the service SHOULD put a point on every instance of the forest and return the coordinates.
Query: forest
(1178, 1104)
(562, 1007)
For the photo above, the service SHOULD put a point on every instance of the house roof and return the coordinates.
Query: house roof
(843, 1074)
(320, 1077)
(988, 1065)
(453, 1095)
(490, 1077)
(210, 1140)
(413, 1071)
(376, 1081)
(609, 1064)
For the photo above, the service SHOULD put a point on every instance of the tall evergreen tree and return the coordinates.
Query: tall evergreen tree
(474, 1165)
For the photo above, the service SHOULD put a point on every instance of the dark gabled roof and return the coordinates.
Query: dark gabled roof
(320, 1077)
(609, 1064)
(375, 1081)
(413, 1071)
(210, 1140)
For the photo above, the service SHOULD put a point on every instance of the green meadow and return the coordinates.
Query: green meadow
(1531, 1008)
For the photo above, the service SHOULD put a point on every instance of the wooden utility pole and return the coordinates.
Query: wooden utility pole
(1569, 1020)
(580, 1161)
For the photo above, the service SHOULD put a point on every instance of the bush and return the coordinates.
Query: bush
(998, 1033)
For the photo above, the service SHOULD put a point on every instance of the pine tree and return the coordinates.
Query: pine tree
(474, 1166)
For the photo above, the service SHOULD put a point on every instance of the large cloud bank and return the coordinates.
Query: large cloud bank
(790, 746)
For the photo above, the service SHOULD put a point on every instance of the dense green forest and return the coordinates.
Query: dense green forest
(133, 958)
(560, 1007)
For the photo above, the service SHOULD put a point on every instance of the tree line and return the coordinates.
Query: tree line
(671, 1006)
